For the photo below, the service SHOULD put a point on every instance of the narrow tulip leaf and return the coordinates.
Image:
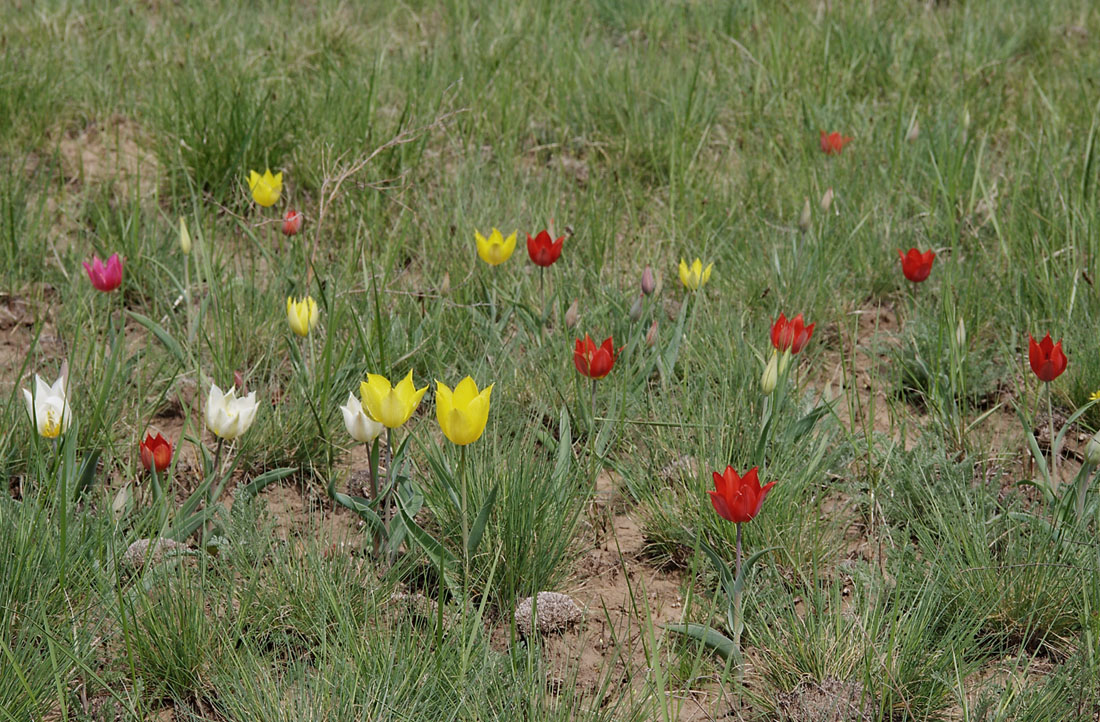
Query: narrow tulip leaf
(1040, 460)
(186, 526)
(806, 424)
(739, 583)
(439, 555)
(672, 352)
(725, 574)
(163, 336)
(86, 477)
(479, 524)
(1065, 427)
(254, 487)
(361, 507)
(711, 638)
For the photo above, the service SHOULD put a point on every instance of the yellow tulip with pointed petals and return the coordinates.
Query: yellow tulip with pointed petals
(462, 413)
(694, 276)
(496, 249)
(302, 315)
(265, 188)
(390, 405)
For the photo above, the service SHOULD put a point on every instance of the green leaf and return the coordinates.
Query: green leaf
(254, 487)
(739, 583)
(806, 424)
(86, 476)
(436, 552)
(711, 638)
(361, 507)
(1040, 460)
(155, 328)
(479, 524)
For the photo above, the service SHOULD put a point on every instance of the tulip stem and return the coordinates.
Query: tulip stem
(372, 462)
(737, 595)
(389, 485)
(593, 403)
(465, 528)
(1054, 481)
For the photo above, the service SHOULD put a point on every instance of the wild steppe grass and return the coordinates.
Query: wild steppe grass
(922, 556)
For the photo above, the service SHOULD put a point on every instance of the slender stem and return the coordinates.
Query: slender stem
(1054, 480)
(389, 483)
(737, 594)
(542, 291)
(465, 528)
(215, 470)
(372, 462)
(593, 403)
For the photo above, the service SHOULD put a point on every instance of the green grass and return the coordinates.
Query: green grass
(903, 556)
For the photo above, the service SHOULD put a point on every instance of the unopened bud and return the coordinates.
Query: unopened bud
(238, 382)
(185, 237)
(914, 132)
(966, 118)
(445, 285)
(572, 314)
(292, 223)
(651, 335)
(827, 201)
(960, 334)
(649, 282)
(771, 374)
(636, 309)
(1092, 450)
(804, 218)
(784, 361)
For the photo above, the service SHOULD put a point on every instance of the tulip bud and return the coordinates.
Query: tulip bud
(960, 334)
(636, 309)
(238, 382)
(914, 132)
(784, 361)
(445, 285)
(651, 335)
(292, 223)
(649, 283)
(771, 374)
(827, 201)
(1092, 451)
(966, 119)
(185, 237)
(804, 219)
(572, 315)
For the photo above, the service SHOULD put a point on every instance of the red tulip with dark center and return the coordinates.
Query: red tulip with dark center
(543, 250)
(593, 361)
(736, 498)
(1047, 359)
(916, 265)
(155, 450)
(792, 335)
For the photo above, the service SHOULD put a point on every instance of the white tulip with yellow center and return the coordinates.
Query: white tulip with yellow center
(48, 408)
(227, 416)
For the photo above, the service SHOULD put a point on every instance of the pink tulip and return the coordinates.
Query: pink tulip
(105, 276)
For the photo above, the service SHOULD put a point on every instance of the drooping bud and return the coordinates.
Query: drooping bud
(914, 132)
(185, 237)
(292, 223)
(804, 218)
(636, 309)
(771, 375)
(651, 335)
(572, 314)
(827, 201)
(649, 282)
(1092, 450)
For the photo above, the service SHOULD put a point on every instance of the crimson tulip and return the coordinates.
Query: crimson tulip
(1046, 357)
(542, 250)
(592, 361)
(833, 143)
(736, 498)
(155, 451)
(792, 335)
(105, 276)
(916, 265)
(292, 223)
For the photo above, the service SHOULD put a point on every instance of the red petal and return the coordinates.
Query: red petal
(720, 506)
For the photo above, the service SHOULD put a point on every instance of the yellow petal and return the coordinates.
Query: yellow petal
(465, 392)
(706, 274)
(444, 405)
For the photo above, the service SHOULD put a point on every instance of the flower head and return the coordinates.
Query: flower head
(542, 250)
(105, 276)
(1095, 395)
(694, 276)
(833, 143)
(265, 188)
(770, 377)
(1046, 358)
(391, 405)
(156, 451)
(738, 499)
(462, 413)
(185, 237)
(302, 315)
(496, 249)
(360, 427)
(48, 407)
(592, 361)
(292, 222)
(227, 416)
(916, 265)
(649, 281)
(791, 335)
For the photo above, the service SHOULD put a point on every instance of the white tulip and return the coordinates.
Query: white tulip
(48, 408)
(361, 427)
(226, 415)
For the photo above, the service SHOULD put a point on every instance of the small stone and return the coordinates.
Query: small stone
(555, 613)
(139, 553)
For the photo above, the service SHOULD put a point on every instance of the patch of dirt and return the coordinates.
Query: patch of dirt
(113, 151)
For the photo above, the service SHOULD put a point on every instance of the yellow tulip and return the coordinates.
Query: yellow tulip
(265, 188)
(302, 315)
(496, 249)
(462, 414)
(695, 276)
(391, 405)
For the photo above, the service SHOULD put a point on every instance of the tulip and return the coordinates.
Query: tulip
(651, 335)
(462, 413)
(572, 314)
(914, 132)
(833, 143)
(960, 334)
(827, 200)
(542, 250)
(302, 315)
(156, 451)
(771, 374)
(292, 223)
(649, 282)
(185, 237)
(695, 276)
(916, 265)
(738, 499)
(360, 427)
(391, 405)
(593, 362)
(636, 309)
(265, 188)
(49, 407)
(496, 249)
(105, 276)
(1046, 358)
(804, 218)
(227, 416)
(791, 335)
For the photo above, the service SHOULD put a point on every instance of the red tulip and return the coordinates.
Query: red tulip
(542, 250)
(793, 334)
(916, 265)
(738, 499)
(833, 143)
(292, 223)
(593, 362)
(105, 276)
(155, 450)
(1046, 357)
